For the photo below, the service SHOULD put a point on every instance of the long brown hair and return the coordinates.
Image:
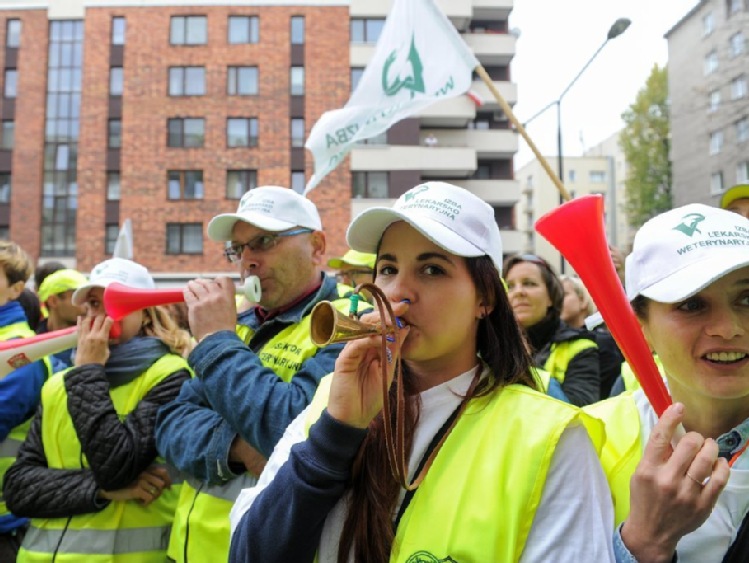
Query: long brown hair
(157, 322)
(368, 527)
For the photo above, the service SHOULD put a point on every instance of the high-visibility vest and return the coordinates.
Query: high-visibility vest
(12, 443)
(478, 499)
(630, 380)
(561, 355)
(622, 449)
(124, 531)
(201, 530)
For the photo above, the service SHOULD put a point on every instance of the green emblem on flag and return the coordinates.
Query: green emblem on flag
(414, 82)
(689, 223)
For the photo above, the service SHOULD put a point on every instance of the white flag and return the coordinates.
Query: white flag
(123, 248)
(420, 58)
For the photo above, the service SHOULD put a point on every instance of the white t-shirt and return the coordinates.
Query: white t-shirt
(710, 541)
(575, 518)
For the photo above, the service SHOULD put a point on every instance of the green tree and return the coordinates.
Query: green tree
(645, 141)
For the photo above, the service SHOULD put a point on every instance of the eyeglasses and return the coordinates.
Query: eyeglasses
(261, 243)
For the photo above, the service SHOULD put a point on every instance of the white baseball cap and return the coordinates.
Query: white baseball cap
(114, 270)
(451, 217)
(680, 252)
(271, 208)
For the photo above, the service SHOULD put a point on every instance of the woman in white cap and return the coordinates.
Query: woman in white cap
(88, 475)
(688, 281)
(504, 472)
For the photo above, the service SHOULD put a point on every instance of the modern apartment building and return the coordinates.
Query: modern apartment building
(708, 79)
(166, 112)
(600, 171)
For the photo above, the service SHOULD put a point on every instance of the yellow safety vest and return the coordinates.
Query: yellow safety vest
(622, 449)
(12, 443)
(561, 355)
(479, 498)
(124, 531)
(201, 529)
(630, 380)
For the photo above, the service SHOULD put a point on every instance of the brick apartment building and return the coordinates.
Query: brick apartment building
(166, 112)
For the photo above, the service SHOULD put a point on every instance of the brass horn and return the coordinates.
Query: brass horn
(328, 325)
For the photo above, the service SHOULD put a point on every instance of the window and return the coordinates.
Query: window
(708, 24)
(115, 81)
(185, 132)
(188, 30)
(298, 181)
(711, 62)
(571, 176)
(716, 142)
(369, 185)
(111, 232)
(8, 135)
(716, 183)
(239, 182)
(742, 130)
(118, 31)
(734, 6)
(13, 34)
(366, 30)
(356, 74)
(244, 29)
(187, 81)
(297, 81)
(714, 103)
(113, 186)
(185, 184)
(11, 79)
(597, 176)
(5, 187)
(115, 134)
(739, 87)
(242, 81)
(184, 238)
(297, 132)
(738, 43)
(742, 172)
(297, 30)
(241, 132)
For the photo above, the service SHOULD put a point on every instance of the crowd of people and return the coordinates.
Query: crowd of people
(491, 418)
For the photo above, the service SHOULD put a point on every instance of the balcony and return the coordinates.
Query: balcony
(494, 192)
(492, 9)
(488, 143)
(508, 90)
(452, 112)
(513, 242)
(459, 12)
(431, 161)
(492, 49)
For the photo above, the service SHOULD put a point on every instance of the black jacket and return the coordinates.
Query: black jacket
(117, 450)
(582, 379)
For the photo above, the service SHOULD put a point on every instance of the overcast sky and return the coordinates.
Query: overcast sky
(556, 40)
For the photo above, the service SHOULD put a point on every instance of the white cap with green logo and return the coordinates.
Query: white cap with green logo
(682, 251)
(451, 217)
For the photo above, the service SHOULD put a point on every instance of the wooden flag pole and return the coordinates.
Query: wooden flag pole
(481, 71)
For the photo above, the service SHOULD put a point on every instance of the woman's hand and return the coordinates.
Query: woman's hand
(356, 391)
(145, 489)
(93, 340)
(673, 491)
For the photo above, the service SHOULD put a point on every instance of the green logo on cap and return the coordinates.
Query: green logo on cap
(689, 223)
(414, 83)
(410, 194)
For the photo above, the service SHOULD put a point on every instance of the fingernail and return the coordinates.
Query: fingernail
(399, 322)
(678, 408)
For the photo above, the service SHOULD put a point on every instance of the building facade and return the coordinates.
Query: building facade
(708, 79)
(600, 171)
(166, 112)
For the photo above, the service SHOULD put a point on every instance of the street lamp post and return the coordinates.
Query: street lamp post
(618, 27)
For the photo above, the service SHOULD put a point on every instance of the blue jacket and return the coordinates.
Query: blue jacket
(233, 394)
(20, 393)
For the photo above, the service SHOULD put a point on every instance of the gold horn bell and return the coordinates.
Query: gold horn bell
(328, 326)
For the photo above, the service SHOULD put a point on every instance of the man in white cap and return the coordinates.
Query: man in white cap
(254, 373)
